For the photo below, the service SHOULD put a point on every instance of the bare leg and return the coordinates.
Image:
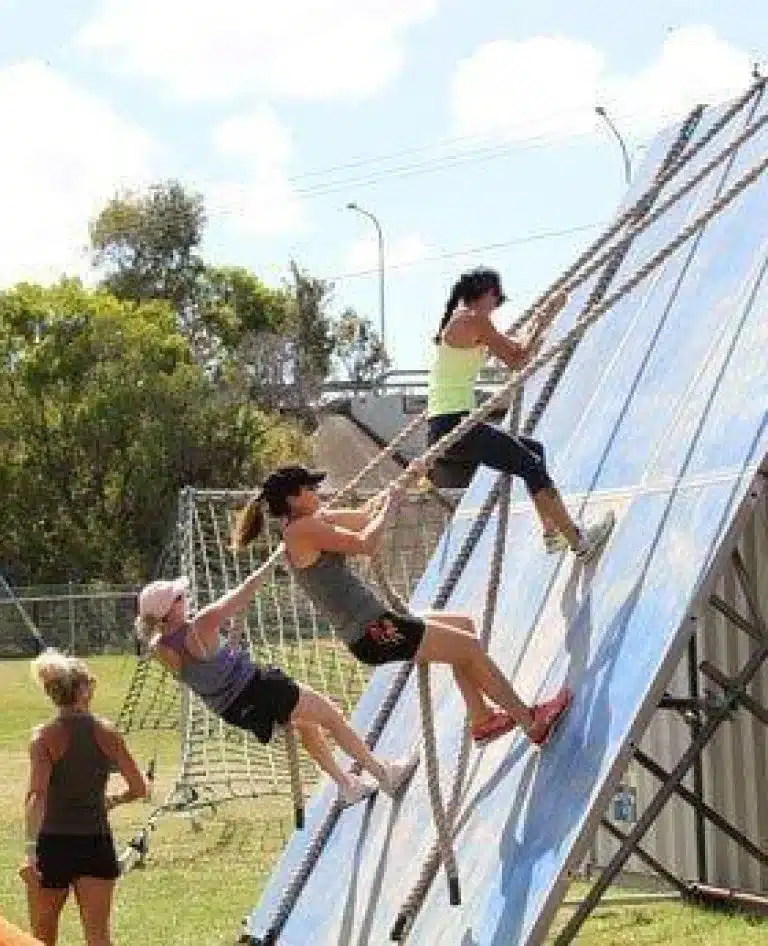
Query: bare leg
(313, 708)
(555, 517)
(447, 643)
(477, 708)
(314, 741)
(94, 897)
(45, 908)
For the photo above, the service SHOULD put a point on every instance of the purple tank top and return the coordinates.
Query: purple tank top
(218, 680)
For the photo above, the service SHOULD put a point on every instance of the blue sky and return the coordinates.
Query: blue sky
(460, 124)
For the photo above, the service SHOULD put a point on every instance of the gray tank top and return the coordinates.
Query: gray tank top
(217, 680)
(343, 597)
(75, 797)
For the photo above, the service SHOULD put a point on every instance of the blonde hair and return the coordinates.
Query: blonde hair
(249, 523)
(61, 677)
(147, 626)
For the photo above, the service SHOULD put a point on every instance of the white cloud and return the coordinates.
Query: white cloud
(549, 85)
(362, 255)
(305, 49)
(266, 203)
(65, 152)
(259, 136)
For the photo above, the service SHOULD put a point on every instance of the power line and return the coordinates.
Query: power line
(439, 162)
(472, 250)
(427, 166)
(444, 143)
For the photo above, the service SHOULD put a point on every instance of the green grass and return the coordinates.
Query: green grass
(198, 885)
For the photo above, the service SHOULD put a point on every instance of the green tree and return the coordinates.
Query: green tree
(146, 244)
(358, 348)
(103, 418)
(275, 345)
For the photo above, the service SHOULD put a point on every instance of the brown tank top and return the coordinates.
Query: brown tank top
(75, 798)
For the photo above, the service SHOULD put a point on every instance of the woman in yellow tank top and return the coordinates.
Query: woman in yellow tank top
(464, 339)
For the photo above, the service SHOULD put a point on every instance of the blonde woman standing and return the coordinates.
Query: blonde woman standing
(69, 843)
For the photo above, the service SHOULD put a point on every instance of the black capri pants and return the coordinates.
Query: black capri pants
(487, 445)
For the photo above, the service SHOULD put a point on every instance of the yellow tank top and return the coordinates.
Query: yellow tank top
(452, 377)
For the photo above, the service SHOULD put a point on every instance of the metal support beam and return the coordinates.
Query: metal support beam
(644, 856)
(698, 768)
(748, 702)
(706, 811)
(729, 612)
(633, 838)
(686, 704)
(750, 593)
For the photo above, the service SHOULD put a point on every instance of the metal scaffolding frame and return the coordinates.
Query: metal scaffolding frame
(704, 715)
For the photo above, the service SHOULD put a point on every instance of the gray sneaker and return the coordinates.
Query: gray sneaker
(595, 537)
(357, 789)
(555, 543)
(399, 773)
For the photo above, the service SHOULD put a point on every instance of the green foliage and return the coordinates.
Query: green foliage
(111, 400)
(358, 348)
(104, 418)
(146, 244)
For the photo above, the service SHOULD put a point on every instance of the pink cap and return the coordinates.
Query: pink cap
(156, 598)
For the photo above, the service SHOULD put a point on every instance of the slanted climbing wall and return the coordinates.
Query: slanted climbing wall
(660, 416)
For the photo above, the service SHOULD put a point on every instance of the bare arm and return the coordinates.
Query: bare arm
(40, 767)
(512, 353)
(316, 534)
(207, 623)
(115, 748)
(354, 519)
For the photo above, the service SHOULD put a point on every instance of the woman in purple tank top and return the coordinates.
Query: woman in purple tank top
(250, 696)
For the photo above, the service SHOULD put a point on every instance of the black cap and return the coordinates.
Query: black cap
(287, 481)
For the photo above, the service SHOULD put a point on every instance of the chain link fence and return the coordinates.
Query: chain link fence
(78, 619)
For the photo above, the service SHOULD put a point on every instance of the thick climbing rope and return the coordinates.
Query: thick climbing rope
(575, 275)
(413, 902)
(503, 486)
(616, 255)
(297, 793)
(438, 449)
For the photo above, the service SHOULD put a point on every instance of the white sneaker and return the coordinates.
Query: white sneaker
(399, 773)
(595, 537)
(555, 543)
(356, 789)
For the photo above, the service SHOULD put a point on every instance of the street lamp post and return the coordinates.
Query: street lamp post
(375, 220)
(616, 134)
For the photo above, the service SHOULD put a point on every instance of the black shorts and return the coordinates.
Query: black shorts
(390, 638)
(63, 858)
(267, 700)
(490, 446)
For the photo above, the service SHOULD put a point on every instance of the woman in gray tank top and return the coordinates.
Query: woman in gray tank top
(250, 696)
(318, 542)
(68, 840)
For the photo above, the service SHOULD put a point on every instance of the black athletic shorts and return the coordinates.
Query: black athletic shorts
(267, 700)
(63, 858)
(389, 638)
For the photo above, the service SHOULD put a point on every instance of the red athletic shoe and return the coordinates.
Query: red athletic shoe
(547, 716)
(497, 724)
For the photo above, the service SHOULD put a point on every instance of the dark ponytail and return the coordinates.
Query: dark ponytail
(457, 294)
(249, 523)
(470, 287)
